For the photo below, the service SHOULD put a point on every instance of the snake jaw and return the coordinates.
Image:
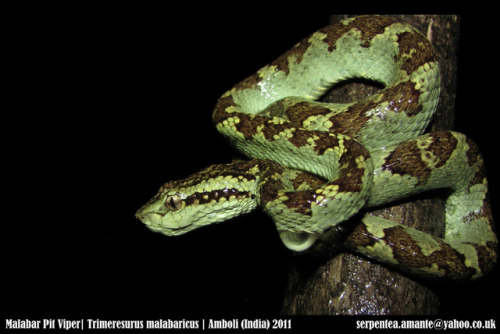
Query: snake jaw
(152, 215)
(157, 214)
(297, 242)
(156, 222)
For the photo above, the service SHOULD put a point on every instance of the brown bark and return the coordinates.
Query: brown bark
(348, 283)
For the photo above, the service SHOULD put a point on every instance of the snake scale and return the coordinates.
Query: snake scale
(315, 165)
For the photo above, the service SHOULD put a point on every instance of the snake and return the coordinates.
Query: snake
(315, 167)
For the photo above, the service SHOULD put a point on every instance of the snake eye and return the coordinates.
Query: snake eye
(173, 202)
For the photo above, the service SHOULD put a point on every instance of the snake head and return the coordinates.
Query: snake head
(164, 213)
(209, 196)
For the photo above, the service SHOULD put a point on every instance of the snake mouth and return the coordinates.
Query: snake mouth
(155, 222)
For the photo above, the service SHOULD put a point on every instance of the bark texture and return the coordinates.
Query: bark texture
(348, 284)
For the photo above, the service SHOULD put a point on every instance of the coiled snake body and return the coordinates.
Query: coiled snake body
(315, 164)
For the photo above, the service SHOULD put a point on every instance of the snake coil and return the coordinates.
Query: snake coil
(314, 165)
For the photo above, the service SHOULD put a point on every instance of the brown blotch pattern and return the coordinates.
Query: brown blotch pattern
(360, 237)
(487, 256)
(270, 183)
(322, 142)
(220, 113)
(350, 179)
(406, 159)
(409, 41)
(368, 26)
(271, 129)
(409, 254)
(249, 82)
(351, 176)
(234, 170)
(353, 119)
(473, 153)
(248, 125)
(300, 201)
(442, 146)
(311, 180)
(403, 97)
(207, 197)
(296, 52)
(301, 111)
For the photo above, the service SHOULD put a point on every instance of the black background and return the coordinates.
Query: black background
(112, 102)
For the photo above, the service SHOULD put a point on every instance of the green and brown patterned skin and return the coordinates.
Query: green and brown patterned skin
(315, 165)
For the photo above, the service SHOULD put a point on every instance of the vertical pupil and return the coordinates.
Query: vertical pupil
(173, 203)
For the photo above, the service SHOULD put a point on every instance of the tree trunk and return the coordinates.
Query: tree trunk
(351, 284)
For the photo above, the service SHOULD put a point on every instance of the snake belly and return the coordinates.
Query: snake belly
(315, 165)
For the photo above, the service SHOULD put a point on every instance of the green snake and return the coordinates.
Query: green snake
(315, 165)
